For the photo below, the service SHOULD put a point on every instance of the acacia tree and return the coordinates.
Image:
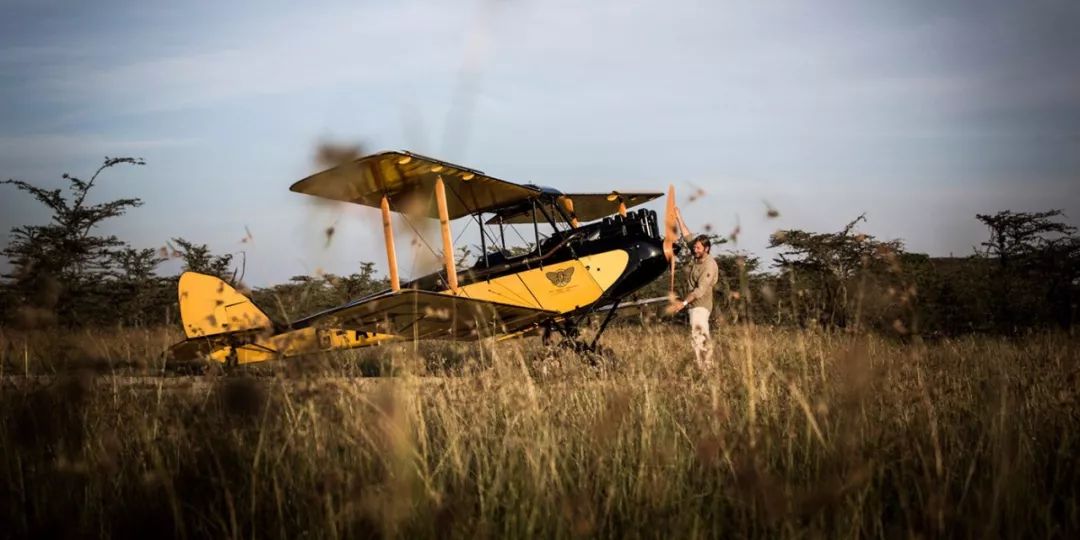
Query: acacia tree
(1014, 236)
(199, 258)
(831, 270)
(140, 292)
(739, 283)
(304, 295)
(1036, 253)
(58, 266)
(1059, 261)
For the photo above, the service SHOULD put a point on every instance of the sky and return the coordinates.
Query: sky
(919, 113)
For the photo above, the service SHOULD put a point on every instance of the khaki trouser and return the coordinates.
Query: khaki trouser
(699, 336)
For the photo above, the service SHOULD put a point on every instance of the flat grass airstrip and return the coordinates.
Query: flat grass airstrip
(791, 433)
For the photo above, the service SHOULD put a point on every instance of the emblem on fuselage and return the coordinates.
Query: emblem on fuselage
(560, 278)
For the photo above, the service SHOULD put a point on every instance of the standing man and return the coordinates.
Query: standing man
(701, 276)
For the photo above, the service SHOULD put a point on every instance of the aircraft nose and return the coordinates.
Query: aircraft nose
(647, 262)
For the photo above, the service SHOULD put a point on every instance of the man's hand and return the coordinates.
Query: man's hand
(674, 305)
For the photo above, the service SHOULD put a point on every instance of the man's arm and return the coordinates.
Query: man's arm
(684, 231)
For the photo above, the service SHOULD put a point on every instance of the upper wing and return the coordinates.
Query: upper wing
(408, 181)
(414, 314)
(587, 206)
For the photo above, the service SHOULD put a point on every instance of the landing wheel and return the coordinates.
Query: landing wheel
(547, 339)
(173, 367)
(569, 340)
(232, 363)
(594, 355)
(599, 357)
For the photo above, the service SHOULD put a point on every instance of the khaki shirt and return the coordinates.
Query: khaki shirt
(701, 277)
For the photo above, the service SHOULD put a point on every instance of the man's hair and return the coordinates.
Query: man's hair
(705, 242)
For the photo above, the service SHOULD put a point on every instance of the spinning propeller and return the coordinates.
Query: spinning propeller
(674, 230)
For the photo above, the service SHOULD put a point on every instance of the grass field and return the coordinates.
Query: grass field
(791, 434)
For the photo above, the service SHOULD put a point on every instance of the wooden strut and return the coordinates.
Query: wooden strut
(622, 207)
(568, 204)
(447, 240)
(391, 253)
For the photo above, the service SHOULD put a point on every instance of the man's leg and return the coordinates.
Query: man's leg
(708, 338)
(699, 336)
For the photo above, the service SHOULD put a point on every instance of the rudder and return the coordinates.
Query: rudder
(209, 306)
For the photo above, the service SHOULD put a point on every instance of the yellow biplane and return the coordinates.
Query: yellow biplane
(598, 253)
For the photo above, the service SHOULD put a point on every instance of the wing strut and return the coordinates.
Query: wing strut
(616, 196)
(391, 254)
(568, 204)
(447, 240)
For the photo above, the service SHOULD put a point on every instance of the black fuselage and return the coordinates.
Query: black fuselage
(638, 234)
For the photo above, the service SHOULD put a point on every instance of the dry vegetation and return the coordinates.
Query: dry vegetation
(855, 427)
(793, 433)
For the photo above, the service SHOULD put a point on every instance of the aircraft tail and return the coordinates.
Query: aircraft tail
(209, 306)
(225, 326)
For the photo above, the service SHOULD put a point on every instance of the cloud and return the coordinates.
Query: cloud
(288, 53)
(825, 110)
(50, 148)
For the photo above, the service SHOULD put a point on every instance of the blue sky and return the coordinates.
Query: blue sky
(921, 114)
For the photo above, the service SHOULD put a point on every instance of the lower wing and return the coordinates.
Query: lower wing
(413, 314)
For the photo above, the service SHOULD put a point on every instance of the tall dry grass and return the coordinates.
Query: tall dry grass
(790, 434)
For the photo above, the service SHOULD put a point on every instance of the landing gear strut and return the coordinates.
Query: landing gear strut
(590, 351)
